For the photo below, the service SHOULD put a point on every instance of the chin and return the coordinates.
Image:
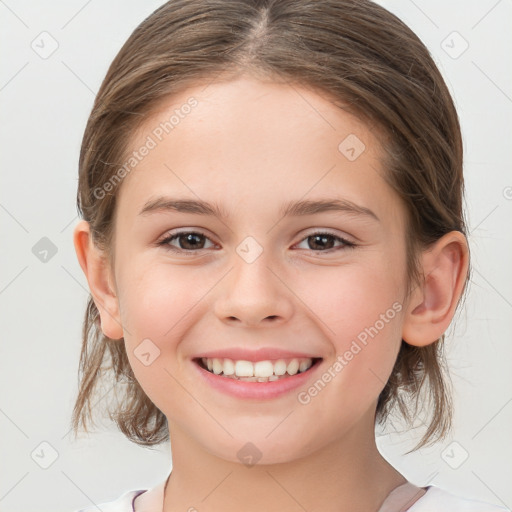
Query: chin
(253, 448)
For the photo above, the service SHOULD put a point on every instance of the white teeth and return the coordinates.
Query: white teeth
(260, 371)
(280, 367)
(303, 366)
(229, 367)
(244, 369)
(263, 369)
(293, 367)
(217, 366)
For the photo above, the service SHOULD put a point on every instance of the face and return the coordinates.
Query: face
(327, 283)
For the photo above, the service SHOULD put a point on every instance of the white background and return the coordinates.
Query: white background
(45, 104)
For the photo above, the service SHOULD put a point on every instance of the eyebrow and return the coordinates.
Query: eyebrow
(289, 209)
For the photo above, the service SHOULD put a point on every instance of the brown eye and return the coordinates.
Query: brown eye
(324, 242)
(187, 241)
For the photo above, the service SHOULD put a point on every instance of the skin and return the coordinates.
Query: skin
(252, 145)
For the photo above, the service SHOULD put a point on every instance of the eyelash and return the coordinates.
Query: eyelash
(166, 242)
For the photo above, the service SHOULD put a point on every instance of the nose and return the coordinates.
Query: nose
(254, 294)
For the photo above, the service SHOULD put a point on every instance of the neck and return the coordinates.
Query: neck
(346, 475)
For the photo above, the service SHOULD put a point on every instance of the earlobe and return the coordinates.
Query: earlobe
(433, 302)
(96, 269)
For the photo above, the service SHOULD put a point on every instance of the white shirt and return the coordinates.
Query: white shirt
(403, 498)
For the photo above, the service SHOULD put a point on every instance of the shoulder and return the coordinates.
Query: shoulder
(440, 500)
(122, 504)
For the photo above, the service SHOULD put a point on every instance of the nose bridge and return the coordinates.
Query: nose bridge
(252, 292)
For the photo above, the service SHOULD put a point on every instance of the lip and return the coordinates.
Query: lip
(256, 390)
(262, 354)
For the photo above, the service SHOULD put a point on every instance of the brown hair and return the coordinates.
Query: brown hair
(352, 51)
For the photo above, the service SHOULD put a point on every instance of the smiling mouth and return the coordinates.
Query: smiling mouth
(260, 371)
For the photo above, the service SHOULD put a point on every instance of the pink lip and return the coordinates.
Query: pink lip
(256, 390)
(262, 354)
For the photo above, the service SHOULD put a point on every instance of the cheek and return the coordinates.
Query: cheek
(159, 304)
(352, 298)
(362, 317)
(154, 300)
(156, 303)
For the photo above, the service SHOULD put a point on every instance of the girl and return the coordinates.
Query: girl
(274, 241)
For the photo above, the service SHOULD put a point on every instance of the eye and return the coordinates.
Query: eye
(191, 241)
(188, 241)
(321, 240)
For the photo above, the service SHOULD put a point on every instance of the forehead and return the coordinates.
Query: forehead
(249, 143)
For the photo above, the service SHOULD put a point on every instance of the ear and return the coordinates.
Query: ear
(433, 302)
(95, 266)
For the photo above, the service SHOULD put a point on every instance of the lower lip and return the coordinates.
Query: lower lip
(257, 390)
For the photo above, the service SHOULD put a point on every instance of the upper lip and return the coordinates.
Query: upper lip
(262, 354)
